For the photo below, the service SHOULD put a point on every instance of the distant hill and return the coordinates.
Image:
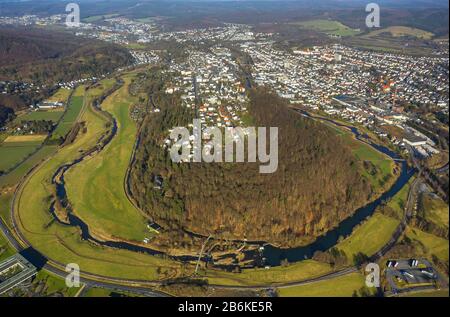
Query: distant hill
(46, 58)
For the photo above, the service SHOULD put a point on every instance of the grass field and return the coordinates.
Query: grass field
(62, 95)
(15, 175)
(400, 31)
(383, 178)
(104, 175)
(294, 272)
(12, 153)
(5, 203)
(71, 115)
(101, 292)
(370, 236)
(5, 248)
(343, 286)
(329, 27)
(398, 202)
(433, 244)
(435, 210)
(50, 285)
(96, 18)
(19, 139)
(48, 115)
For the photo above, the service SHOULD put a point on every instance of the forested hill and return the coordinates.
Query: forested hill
(317, 184)
(49, 57)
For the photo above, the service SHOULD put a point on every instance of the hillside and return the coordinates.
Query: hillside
(318, 182)
(43, 57)
(48, 57)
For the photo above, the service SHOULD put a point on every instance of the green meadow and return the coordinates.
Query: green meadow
(342, 286)
(103, 176)
(330, 27)
(71, 114)
(13, 153)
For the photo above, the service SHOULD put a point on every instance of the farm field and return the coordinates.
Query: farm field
(343, 286)
(62, 95)
(399, 31)
(71, 115)
(294, 272)
(15, 151)
(96, 18)
(15, 175)
(329, 27)
(104, 175)
(398, 202)
(48, 115)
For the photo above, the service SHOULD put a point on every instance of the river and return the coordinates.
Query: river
(273, 255)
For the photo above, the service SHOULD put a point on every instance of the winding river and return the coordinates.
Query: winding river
(271, 255)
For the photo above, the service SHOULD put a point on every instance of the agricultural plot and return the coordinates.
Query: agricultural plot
(15, 175)
(62, 95)
(71, 115)
(401, 31)
(294, 272)
(16, 149)
(329, 27)
(347, 286)
(50, 115)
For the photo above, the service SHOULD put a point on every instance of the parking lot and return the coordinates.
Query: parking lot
(406, 274)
